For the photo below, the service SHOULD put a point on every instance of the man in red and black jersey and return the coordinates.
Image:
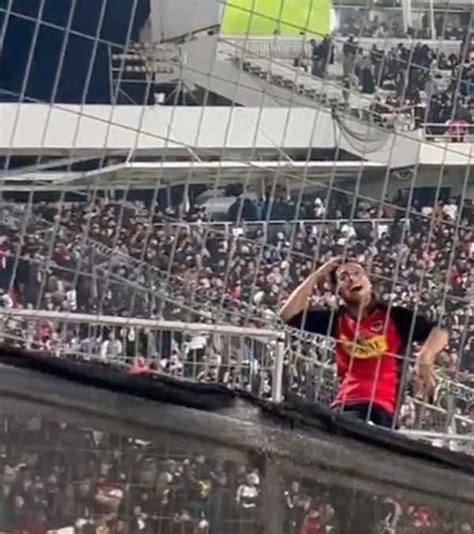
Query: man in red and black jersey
(371, 340)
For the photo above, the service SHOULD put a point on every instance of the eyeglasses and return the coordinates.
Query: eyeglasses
(346, 274)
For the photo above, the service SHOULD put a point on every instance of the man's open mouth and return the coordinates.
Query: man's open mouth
(356, 288)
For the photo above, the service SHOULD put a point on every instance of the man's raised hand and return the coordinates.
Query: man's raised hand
(325, 272)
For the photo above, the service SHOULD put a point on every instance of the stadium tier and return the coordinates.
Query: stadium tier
(254, 218)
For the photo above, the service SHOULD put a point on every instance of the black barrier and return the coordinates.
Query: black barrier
(129, 452)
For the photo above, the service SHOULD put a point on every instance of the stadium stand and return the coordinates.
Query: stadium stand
(65, 477)
(181, 275)
(190, 263)
(422, 84)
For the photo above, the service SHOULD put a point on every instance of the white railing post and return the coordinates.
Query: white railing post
(277, 382)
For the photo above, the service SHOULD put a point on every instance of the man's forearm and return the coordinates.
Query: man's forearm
(298, 301)
(435, 343)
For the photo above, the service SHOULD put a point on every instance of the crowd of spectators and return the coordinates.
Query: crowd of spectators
(63, 478)
(120, 259)
(355, 22)
(56, 475)
(412, 84)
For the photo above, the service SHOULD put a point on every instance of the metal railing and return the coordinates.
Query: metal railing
(272, 364)
(235, 228)
(464, 133)
(285, 47)
(248, 358)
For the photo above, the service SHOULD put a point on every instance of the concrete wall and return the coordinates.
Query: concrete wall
(153, 128)
(225, 78)
(173, 18)
(458, 154)
(32, 128)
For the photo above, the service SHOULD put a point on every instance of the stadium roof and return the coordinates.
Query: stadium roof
(149, 174)
(105, 131)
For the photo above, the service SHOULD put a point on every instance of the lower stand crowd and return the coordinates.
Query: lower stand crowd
(122, 259)
(62, 478)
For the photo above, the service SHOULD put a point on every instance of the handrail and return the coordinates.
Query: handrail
(304, 222)
(446, 132)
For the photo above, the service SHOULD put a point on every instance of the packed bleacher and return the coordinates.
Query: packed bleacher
(120, 259)
(406, 84)
(58, 477)
(387, 23)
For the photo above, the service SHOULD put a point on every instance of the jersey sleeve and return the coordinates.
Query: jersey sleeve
(411, 326)
(315, 321)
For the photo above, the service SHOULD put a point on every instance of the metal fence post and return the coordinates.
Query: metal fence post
(277, 382)
(272, 510)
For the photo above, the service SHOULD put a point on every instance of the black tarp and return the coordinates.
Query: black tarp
(217, 398)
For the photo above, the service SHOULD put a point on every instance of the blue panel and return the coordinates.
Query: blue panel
(80, 50)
